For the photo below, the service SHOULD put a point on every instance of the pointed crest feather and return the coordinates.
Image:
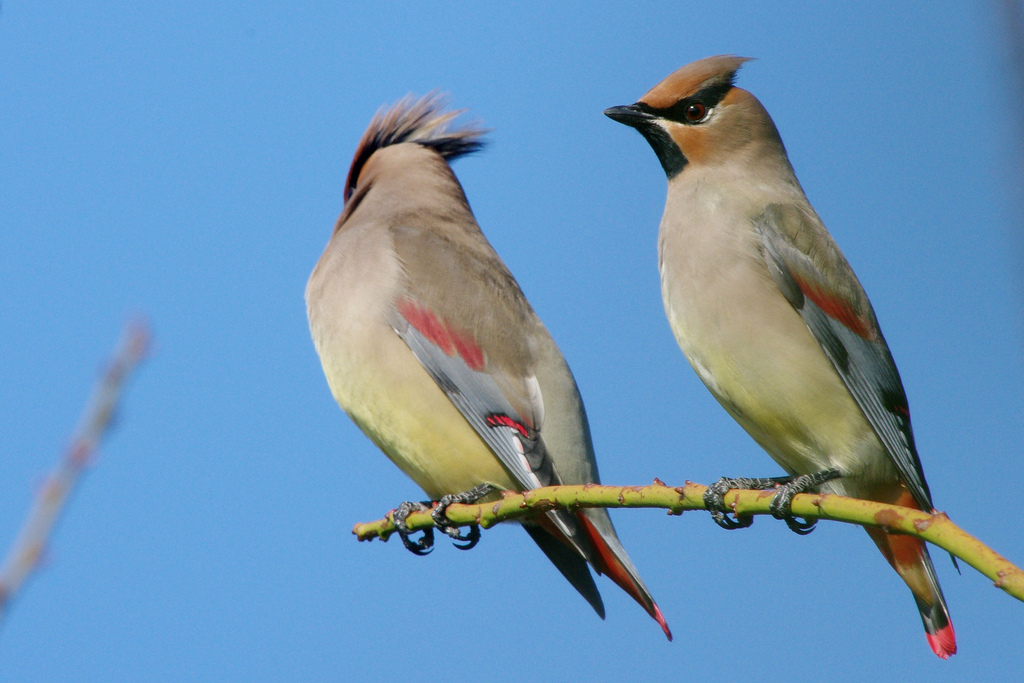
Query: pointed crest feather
(687, 80)
(415, 120)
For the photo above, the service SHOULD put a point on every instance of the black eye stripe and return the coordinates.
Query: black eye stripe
(709, 96)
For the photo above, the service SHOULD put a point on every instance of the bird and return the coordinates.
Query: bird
(774, 321)
(430, 346)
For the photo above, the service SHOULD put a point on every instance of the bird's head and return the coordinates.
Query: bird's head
(698, 116)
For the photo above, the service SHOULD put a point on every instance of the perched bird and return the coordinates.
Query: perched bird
(772, 318)
(429, 345)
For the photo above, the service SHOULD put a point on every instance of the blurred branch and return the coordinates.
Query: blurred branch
(54, 493)
(934, 528)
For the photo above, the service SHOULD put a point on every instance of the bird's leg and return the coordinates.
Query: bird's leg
(439, 514)
(781, 506)
(714, 498)
(426, 542)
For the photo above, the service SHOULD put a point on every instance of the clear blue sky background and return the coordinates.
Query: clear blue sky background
(187, 161)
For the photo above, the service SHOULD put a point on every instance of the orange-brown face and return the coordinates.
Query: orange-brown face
(695, 115)
(709, 132)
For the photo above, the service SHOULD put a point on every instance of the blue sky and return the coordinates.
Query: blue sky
(187, 162)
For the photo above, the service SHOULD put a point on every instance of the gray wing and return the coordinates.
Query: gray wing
(801, 255)
(512, 436)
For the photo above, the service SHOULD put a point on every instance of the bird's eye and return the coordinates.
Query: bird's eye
(695, 112)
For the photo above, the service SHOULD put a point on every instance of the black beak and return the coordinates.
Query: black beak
(639, 116)
(630, 114)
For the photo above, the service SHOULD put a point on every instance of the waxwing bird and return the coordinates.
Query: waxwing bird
(772, 318)
(429, 345)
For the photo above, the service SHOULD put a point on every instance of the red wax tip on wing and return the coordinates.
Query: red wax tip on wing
(498, 420)
(943, 641)
(446, 338)
(611, 566)
(836, 308)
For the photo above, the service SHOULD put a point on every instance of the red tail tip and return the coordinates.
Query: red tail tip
(664, 624)
(611, 565)
(943, 641)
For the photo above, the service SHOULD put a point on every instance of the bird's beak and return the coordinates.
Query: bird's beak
(630, 114)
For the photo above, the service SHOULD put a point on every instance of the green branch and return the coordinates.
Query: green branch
(934, 528)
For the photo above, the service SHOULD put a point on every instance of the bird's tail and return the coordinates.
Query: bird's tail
(568, 561)
(593, 541)
(909, 557)
(610, 558)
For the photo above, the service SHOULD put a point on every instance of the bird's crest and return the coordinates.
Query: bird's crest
(415, 120)
(718, 72)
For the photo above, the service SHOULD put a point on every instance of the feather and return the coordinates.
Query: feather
(844, 325)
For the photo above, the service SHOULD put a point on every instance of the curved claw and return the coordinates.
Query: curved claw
(714, 500)
(440, 515)
(781, 506)
(728, 523)
(421, 547)
(425, 544)
(799, 526)
(471, 538)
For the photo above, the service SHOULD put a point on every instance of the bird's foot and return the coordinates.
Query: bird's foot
(781, 506)
(714, 499)
(425, 542)
(440, 515)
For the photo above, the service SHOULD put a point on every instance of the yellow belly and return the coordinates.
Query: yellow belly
(376, 379)
(393, 400)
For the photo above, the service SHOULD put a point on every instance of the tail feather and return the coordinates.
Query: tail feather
(573, 567)
(937, 627)
(594, 541)
(909, 557)
(611, 559)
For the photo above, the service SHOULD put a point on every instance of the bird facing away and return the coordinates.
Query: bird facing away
(431, 348)
(771, 316)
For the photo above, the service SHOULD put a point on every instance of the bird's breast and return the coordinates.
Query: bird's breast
(378, 381)
(746, 342)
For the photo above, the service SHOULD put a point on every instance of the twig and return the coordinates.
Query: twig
(53, 495)
(934, 528)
